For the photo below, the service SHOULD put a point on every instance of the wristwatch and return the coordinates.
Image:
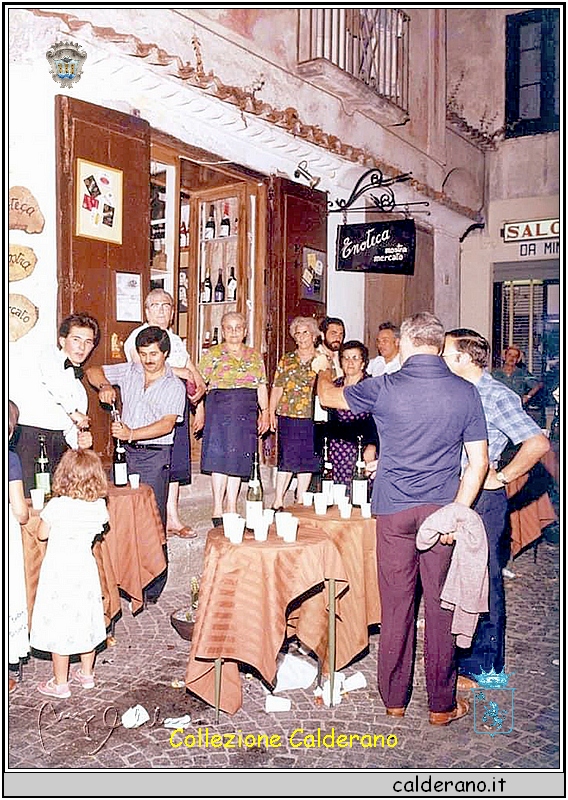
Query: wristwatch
(501, 478)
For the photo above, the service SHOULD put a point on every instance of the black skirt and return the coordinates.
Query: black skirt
(296, 445)
(230, 434)
(180, 468)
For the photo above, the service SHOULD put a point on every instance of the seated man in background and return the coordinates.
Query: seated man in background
(388, 345)
(516, 376)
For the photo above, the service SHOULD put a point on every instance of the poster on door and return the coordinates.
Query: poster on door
(98, 202)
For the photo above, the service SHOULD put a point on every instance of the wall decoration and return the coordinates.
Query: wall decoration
(98, 207)
(24, 213)
(22, 316)
(128, 297)
(313, 274)
(21, 262)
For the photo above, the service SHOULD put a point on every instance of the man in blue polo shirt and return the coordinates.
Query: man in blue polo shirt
(466, 353)
(424, 416)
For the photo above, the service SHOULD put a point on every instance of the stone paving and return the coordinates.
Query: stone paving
(84, 732)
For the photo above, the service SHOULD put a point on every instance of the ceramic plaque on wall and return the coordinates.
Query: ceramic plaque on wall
(24, 213)
(21, 262)
(22, 315)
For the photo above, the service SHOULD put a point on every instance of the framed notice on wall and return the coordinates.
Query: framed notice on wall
(128, 297)
(98, 206)
(313, 275)
(387, 247)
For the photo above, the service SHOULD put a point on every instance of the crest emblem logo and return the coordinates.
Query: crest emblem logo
(66, 60)
(493, 703)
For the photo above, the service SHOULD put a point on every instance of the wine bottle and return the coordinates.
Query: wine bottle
(207, 289)
(182, 234)
(225, 225)
(219, 288)
(360, 481)
(209, 232)
(42, 469)
(119, 466)
(215, 339)
(206, 340)
(327, 474)
(254, 494)
(232, 286)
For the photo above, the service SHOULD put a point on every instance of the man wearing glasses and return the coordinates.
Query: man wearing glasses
(466, 353)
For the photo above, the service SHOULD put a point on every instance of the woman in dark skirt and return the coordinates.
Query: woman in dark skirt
(234, 414)
(291, 402)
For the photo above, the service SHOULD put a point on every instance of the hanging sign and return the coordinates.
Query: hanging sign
(21, 261)
(22, 316)
(24, 213)
(386, 247)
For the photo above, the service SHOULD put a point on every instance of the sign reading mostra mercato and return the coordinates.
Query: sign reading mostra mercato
(377, 247)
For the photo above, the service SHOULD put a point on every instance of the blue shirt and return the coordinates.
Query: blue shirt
(504, 415)
(424, 414)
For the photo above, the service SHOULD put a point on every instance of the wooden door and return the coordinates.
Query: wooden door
(296, 226)
(87, 267)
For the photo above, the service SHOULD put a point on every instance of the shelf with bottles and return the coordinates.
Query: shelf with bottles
(219, 220)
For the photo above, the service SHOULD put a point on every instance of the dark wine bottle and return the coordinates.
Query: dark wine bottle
(119, 466)
(232, 286)
(42, 469)
(215, 339)
(327, 474)
(207, 289)
(219, 295)
(360, 480)
(225, 226)
(209, 232)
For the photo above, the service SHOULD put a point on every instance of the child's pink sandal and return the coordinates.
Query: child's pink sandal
(86, 681)
(52, 689)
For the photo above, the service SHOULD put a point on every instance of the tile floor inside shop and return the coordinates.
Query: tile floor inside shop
(149, 655)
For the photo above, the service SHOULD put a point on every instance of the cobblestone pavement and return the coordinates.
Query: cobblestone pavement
(149, 655)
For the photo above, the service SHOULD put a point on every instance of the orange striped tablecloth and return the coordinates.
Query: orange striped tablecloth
(530, 508)
(245, 593)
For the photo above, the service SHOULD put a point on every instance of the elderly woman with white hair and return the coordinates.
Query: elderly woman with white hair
(159, 308)
(291, 404)
(234, 414)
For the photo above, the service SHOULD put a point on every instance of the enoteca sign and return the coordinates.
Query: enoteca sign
(387, 247)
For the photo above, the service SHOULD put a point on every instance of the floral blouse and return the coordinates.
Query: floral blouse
(224, 370)
(297, 380)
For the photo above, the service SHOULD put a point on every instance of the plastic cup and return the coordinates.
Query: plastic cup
(307, 498)
(280, 518)
(134, 480)
(261, 529)
(345, 510)
(339, 492)
(273, 703)
(228, 518)
(268, 514)
(236, 530)
(366, 510)
(38, 497)
(320, 503)
(290, 529)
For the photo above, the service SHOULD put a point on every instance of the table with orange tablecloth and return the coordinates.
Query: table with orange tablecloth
(355, 539)
(129, 555)
(245, 593)
(530, 508)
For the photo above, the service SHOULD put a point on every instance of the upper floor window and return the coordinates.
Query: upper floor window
(369, 44)
(532, 75)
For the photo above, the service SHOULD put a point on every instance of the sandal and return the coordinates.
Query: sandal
(183, 533)
(52, 689)
(86, 681)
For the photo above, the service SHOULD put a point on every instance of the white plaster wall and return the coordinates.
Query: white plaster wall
(446, 278)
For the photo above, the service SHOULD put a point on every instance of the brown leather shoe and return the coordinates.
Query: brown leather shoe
(464, 683)
(445, 717)
(396, 712)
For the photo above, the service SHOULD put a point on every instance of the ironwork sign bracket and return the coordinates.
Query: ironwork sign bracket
(384, 200)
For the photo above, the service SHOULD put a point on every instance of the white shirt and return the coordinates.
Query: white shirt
(52, 394)
(378, 366)
(178, 354)
(320, 415)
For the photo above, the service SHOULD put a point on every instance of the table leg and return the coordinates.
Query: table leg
(331, 639)
(218, 665)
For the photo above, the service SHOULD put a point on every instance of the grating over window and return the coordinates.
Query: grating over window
(522, 322)
(371, 44)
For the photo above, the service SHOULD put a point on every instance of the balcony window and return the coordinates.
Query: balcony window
(532, 76)
(368, 46)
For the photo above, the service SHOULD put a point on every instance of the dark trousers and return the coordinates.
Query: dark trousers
(400, 565)
(27, 447)
(488, 646)
(153, 467)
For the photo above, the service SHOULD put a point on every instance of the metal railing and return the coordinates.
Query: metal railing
(372, 44)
